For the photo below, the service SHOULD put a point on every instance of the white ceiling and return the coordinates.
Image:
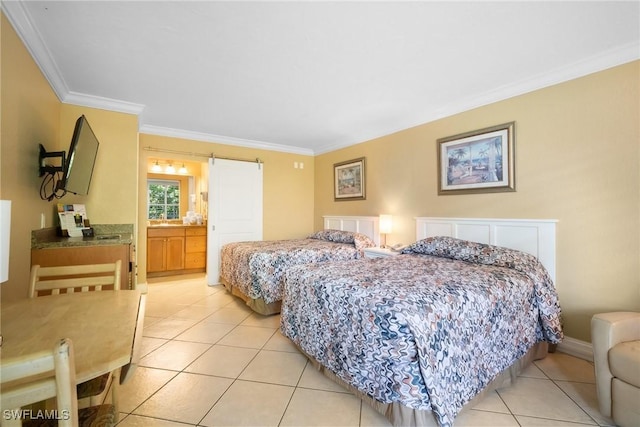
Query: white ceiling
(310, 77)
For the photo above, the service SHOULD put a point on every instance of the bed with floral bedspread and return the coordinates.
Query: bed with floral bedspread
(423, 332)
(254, 270)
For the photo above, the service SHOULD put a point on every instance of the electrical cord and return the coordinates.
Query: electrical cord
(49, 187)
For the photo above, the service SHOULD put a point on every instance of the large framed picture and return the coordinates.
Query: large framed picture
(481, 161)
(349, 180)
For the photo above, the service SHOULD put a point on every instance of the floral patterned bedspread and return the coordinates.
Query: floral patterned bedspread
(257, 268)
(429, 328)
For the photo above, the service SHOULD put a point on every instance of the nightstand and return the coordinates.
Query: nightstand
(379, 252)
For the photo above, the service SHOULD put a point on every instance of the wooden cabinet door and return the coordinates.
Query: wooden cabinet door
(175, 253)
(195, 260)
(196, 244)
(81, 255)
(156, 254)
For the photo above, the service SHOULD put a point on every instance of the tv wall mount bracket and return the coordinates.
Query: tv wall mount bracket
(47, 168)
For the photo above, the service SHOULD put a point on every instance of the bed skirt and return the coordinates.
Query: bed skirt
(400, 415)
(257, 305)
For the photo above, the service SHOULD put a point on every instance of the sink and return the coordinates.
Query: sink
(109, 237)
(163, 224)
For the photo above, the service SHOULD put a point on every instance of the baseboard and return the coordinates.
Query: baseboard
(577, 348)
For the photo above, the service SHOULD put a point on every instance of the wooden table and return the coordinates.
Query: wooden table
(101, 325)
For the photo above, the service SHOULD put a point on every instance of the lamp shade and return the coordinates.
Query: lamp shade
(385, 224)
(5, 237)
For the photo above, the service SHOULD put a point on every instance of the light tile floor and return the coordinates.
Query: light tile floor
(208, 360)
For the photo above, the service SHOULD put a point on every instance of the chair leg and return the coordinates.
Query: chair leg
(115, 392)
(98, 399)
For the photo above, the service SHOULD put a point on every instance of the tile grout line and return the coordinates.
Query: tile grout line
(170, 370)
(234, 380)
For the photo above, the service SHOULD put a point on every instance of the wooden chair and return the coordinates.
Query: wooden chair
(73, 278)
(78, 278)
(28, 379)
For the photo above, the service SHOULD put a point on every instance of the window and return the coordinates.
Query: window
(163, 199)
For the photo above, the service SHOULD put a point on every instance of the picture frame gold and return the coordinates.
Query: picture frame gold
(480, 161)
(349, 180)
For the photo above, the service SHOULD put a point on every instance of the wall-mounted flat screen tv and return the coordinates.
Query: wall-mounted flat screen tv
(81, 158)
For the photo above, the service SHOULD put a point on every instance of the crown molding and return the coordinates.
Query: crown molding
(20, 20)
(609, 59)
(612, 58)
(103, 103)
(17, 14)
(220, 139)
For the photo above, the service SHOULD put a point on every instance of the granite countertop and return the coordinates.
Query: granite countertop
(172, 223)
(105, 235)
(175, 225)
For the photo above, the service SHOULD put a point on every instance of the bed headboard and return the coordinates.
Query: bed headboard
(537, 237)
(367, 225)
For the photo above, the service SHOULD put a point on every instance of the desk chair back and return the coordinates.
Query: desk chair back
(37, 377)
(33, 378)
(72, 278)
(78, 278)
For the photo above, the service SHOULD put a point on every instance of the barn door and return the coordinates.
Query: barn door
(234, 206)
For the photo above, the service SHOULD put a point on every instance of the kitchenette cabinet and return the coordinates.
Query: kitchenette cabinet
(112, 242)
(176, 249)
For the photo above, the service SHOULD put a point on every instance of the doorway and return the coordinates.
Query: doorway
(176, 230)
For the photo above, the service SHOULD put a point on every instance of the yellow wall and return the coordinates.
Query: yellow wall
(113, 193)
(30, 115)
(288, 192)
(577, 160)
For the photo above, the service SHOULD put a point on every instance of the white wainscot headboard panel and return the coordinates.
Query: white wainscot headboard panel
(536, 237)
(367, 225)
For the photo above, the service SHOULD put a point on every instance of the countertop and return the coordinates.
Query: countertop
(175, 225)
(105, 235)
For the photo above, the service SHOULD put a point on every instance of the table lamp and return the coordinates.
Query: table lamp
(385, 226)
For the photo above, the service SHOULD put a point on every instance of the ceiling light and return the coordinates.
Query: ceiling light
(156, 167)
(170, 169)
(183, 169)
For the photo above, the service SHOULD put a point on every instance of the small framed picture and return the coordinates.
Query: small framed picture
(482, 161)
(349, 180)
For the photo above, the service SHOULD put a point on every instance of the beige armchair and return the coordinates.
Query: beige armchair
(616, 353)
